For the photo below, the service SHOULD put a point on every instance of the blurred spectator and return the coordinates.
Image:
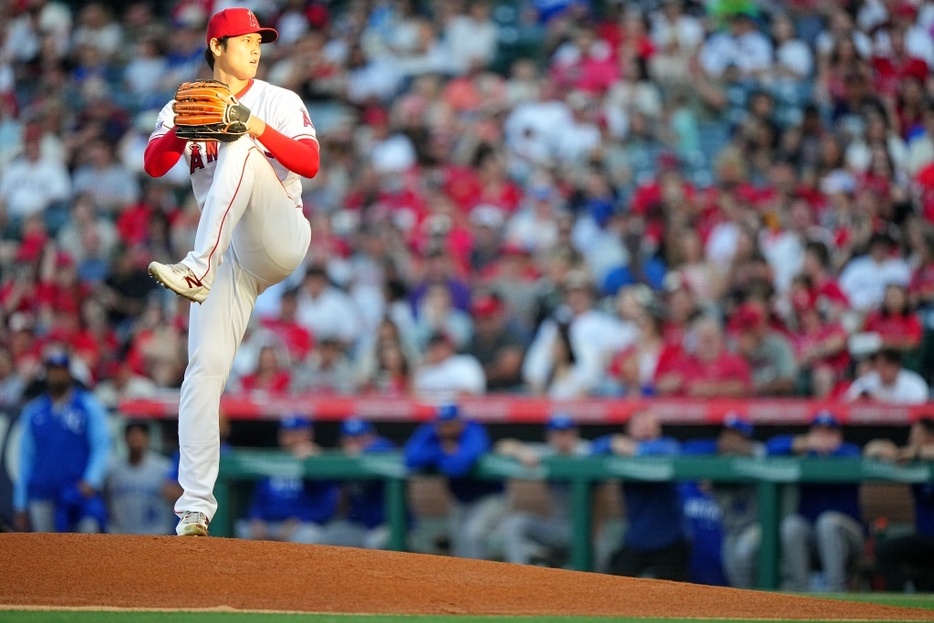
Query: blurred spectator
(105, 180)
(737, 502)
(325, 310)
(864, 278)
(523, 532)
(768, 352)
(123, 383)
(570, 350)
(896, 323)
(89, 239)
(438, 269)
(31, 184)
(817, 268)
(63, 456)
(452, 445)
(133, 488)
(908, 558)
(705, 369)
(820, 345)
(635, 366)
(326, 369)
(290, 508)
(12, 383)
(365, 524)
(654, 540)
(471, 37)
(498, 343)
(887, 381)
(436, 314)
(271, 373)
(445, 374)
(127, 287)
(296, 338)
(741, 45)
(827, 522)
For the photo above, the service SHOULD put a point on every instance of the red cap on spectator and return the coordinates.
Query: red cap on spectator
(236, 22)
(486, 306)
(748, 316)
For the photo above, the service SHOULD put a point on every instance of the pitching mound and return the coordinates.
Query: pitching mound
(68, 570)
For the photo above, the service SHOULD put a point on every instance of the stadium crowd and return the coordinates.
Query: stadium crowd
(554, 197)
(560, 198)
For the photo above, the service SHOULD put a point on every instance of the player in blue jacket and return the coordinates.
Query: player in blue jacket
(365, 524)
(737, 503)
(64, 453)
(655, 542)
(290, 508)
(827, 522)
(452, 445)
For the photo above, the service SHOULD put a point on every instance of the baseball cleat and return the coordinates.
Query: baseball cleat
(192, 523)
(179, 279)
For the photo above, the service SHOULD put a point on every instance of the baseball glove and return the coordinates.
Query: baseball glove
(207, 111)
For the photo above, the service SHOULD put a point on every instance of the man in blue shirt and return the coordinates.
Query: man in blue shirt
(64, 454)
(737, 503)
(827, 522)
(452, 445)
(524, 532)
(365, 524)
(910, 558)
(655, 541)
(290, 508)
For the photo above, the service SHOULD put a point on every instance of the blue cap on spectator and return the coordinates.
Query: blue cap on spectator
(57, 359)
(560, 421)
(737, 422)
(825, 418)
(447, 412)
(296, 421)
(354, 426)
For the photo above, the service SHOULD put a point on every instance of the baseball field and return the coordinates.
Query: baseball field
(111, 579)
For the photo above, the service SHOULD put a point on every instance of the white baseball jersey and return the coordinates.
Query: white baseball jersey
(279, 108)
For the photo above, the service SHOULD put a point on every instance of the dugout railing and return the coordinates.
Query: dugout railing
(769, 475)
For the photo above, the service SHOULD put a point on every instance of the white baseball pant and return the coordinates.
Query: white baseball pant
(251, 235)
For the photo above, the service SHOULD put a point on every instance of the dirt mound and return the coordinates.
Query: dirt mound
(68, 570)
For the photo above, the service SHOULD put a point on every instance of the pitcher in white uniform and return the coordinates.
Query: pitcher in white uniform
(252, 234)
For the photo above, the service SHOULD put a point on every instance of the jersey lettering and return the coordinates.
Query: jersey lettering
(306, 119)
(196, 161)
(210, 149)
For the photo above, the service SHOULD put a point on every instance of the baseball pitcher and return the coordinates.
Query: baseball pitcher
(247, 144)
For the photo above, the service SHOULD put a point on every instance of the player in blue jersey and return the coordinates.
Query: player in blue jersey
(655, 542)
(64, 453)
(291, 508)
(827, 523)
(365, 522)
(452, 445)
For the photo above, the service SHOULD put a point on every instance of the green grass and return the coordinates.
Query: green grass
(91, 616)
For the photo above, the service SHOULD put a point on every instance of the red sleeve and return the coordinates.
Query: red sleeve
(162, 153)
(300, 156)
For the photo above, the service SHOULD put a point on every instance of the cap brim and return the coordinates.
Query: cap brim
(268, 35)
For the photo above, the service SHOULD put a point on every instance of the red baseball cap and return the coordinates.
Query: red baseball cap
(236, 22)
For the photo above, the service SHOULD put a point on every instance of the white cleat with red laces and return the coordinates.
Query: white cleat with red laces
(181, 280)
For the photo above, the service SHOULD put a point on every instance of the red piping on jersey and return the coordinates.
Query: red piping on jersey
(244, 89)
(299, 156)
(162, 153)
(226, 212)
